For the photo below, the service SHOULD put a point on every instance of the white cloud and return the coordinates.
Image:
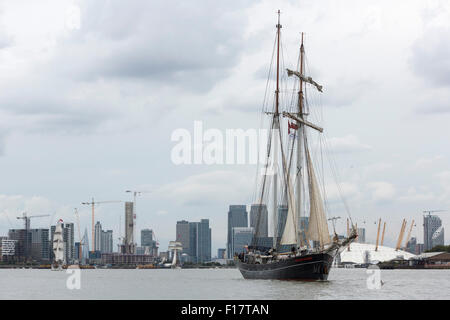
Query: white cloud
(382, 191)
(346, 190)
(348, 143)
(427, 162)
(419, 196)
(13, 206)
(229, 186)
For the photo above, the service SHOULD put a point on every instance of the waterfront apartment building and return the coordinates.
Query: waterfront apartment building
(107, 241)
(433, 231)
(69, 241)
(32, 246)
(7, 249)
(23, 243)
(237, 218)
(40, 244)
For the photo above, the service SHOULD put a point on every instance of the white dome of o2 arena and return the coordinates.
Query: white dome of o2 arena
(358, 252)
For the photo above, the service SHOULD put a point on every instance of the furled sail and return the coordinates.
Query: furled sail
(317, 226)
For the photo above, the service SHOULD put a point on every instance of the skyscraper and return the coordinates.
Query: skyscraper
(433, 232)
(76, 253)
(182, 236)
(411, 245)
(98, 236)
(259, 220)
(282, 216)
(147, 238)
(84, 245)
(241, 237)
(52, 233)
(103, 239)
(195, 238)
(221, 253)
(129, 228)
(106, 245)
(69, 241)
(438, 237)
(203, 241)
(237, 217)
(147, 243)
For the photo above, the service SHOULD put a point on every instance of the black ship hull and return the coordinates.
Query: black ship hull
(309, 267)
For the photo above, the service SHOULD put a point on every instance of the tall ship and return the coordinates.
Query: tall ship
(58, 247)
(301, 247)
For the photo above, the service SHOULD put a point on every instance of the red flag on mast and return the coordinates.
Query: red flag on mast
(292, 125)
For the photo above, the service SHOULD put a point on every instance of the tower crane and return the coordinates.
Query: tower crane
(92, 204)
(432, 211)
(26, 219)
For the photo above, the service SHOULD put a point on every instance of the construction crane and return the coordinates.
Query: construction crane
(432, 211)
(26, 220)
(92, 204)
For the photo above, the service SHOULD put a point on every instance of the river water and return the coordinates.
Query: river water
(219, 284)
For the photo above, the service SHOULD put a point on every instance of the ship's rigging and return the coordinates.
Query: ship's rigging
(290, 180)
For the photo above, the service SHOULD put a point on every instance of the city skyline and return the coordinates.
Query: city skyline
(194, 237)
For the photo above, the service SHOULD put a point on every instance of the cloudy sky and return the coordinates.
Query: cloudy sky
(91, 91)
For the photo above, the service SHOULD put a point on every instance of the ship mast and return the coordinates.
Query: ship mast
(299, 145)
(276, 128)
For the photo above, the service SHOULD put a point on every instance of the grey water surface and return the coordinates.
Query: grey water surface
(219, 284)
